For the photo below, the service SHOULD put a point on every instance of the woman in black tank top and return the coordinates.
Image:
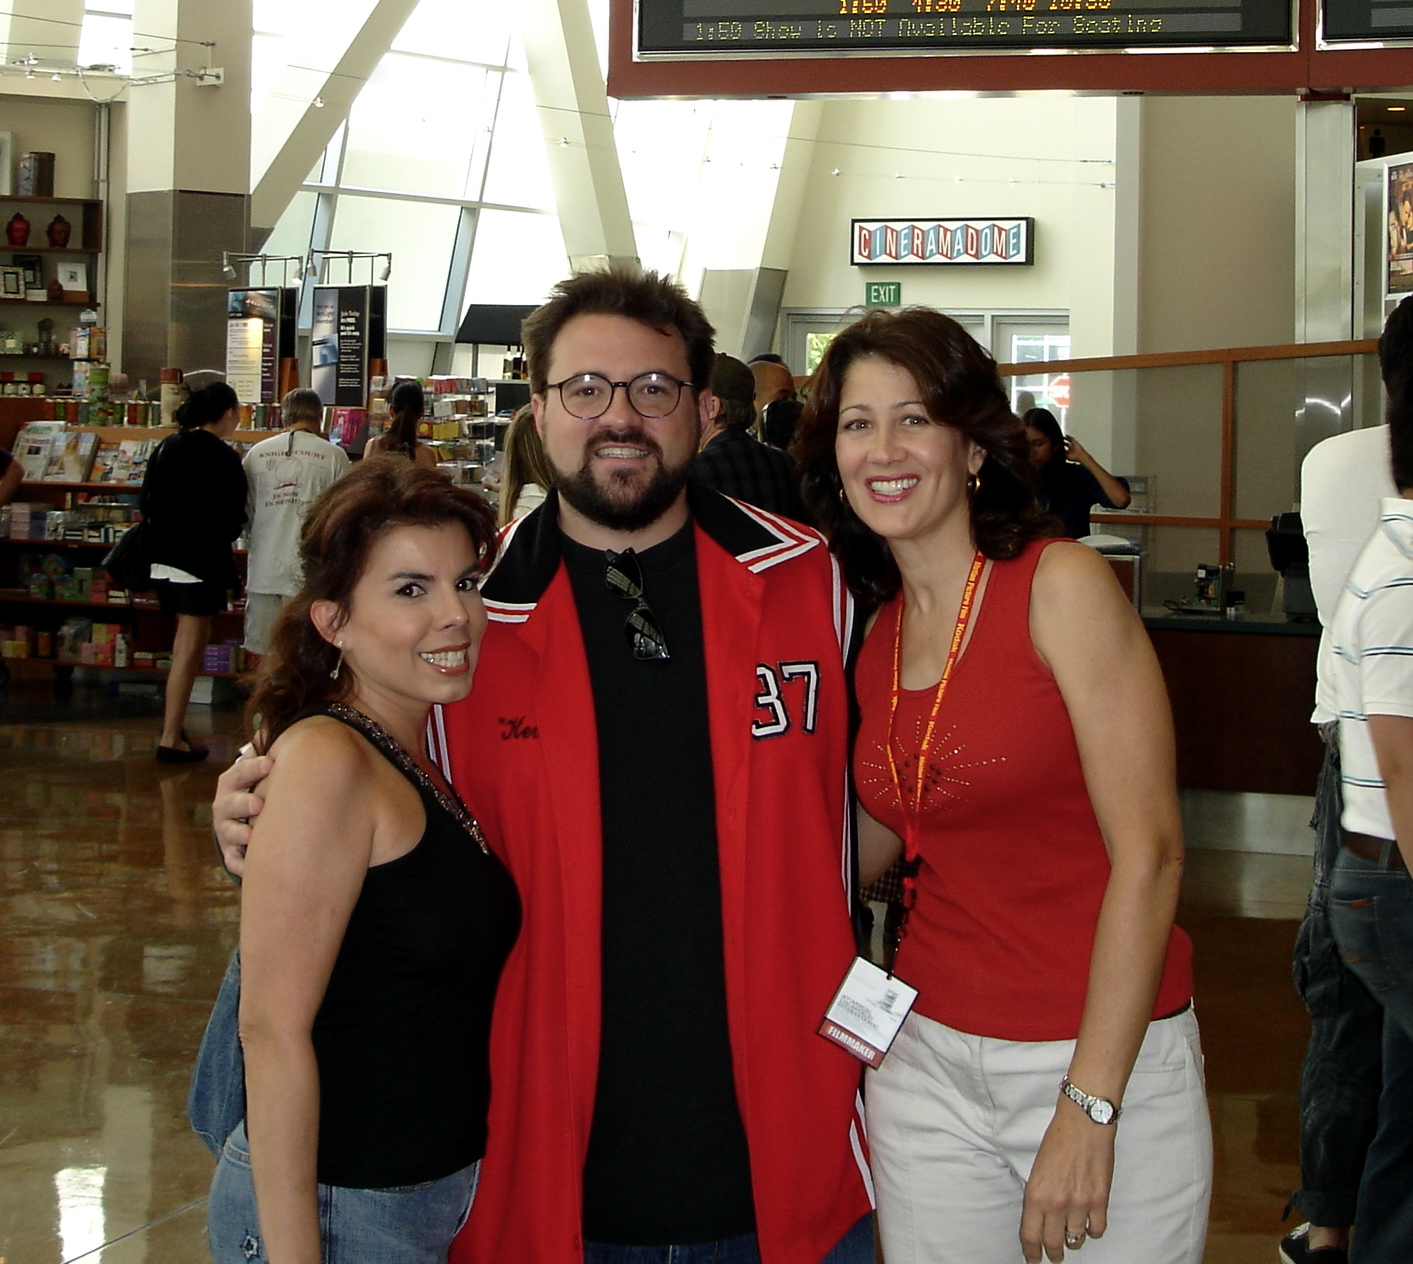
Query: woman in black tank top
(374, 919)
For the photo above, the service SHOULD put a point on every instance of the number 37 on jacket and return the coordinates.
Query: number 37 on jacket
(787, 697)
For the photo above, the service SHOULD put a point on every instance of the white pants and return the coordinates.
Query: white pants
(955, 1121)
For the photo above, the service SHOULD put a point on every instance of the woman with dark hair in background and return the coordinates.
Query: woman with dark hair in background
(1016, 743)
(374, 919)
(528, 473)
(406, 407)
(193, 507)
(1069, 481)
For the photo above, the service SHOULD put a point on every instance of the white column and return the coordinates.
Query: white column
(186, 134)
(578, 130)
(188, 181)
(1324, 221)
(1325, 137)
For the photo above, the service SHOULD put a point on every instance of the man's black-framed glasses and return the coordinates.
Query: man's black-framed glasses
(588, 396)
(644, 632)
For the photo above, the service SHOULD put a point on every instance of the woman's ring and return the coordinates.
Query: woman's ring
(1074, 1240)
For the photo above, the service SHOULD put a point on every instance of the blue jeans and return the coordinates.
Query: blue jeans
(412, 1224)
(855, 1247)
(215, 1102)
(1340, 1077)
(1371, 910)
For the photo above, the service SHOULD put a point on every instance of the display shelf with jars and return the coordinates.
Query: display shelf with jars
(49, 262)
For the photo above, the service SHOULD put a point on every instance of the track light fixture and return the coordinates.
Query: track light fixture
(317, 259)
(229, 258)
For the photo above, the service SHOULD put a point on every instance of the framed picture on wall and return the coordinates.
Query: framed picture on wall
(32, 267)
(73, 277)
(12, 283)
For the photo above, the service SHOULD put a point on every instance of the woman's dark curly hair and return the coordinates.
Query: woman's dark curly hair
(959, 386)
(339, 532)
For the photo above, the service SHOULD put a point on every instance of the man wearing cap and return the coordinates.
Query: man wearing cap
(732, 461)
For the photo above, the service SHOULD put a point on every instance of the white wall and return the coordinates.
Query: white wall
(1046, 157)
(1051, 157)
(59, 125)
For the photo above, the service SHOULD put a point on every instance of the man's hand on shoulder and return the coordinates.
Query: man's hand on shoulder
(235, 804)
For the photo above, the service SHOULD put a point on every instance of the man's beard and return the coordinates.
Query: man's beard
(623, 504)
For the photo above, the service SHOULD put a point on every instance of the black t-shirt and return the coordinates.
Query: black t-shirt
(667, 1160)
(1069, 491)
(402, 1035)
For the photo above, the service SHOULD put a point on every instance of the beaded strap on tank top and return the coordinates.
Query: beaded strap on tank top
(397, 753)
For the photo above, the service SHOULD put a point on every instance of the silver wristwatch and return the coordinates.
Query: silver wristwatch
(1100, 1109)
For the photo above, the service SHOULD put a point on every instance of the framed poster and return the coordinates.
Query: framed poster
(256, 323)
(339, 344)
(1398, 217)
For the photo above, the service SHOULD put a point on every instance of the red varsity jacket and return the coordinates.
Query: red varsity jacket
(522, 751)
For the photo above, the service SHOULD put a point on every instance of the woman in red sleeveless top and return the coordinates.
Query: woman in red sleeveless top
(1046, 1090)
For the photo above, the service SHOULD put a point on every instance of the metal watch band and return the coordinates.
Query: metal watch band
(1100, 1109)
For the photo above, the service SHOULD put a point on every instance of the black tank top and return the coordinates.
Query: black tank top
(402, 1036)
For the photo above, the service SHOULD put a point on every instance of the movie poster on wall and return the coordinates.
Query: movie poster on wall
(339, 345)
(253, 338)
(1400, 229)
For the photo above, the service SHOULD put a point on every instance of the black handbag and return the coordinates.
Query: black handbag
(129, 561)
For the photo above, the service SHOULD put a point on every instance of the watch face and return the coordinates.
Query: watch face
(1101, 1111)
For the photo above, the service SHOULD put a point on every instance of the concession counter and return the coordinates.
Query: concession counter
(1242, 689)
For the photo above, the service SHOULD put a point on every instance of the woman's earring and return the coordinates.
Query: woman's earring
(973, 484)
(843, 499)
(338, 666)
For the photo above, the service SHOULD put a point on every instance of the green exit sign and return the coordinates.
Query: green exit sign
(883, 293)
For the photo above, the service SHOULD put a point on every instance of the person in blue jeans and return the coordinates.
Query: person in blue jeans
(1340, 1076)
(1367, 656)
(374, 919)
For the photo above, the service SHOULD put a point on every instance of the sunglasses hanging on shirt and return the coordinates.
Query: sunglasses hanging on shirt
(644, 632)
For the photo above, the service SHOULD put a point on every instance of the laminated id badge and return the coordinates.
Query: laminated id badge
(867, 1011)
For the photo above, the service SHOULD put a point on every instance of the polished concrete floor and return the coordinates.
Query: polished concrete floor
(115, 926)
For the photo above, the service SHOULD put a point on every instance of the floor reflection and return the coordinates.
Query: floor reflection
(116, 924)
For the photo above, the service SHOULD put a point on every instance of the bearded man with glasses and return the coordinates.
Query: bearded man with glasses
(656, 745)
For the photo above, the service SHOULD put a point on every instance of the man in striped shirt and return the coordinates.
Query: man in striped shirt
(1369, 666)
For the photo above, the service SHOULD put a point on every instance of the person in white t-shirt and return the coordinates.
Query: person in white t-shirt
(1368, 666)
(285, 475)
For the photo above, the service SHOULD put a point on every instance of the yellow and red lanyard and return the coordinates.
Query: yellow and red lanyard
(913, 818)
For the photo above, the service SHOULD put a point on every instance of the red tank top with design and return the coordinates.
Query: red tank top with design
(1012, 861)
